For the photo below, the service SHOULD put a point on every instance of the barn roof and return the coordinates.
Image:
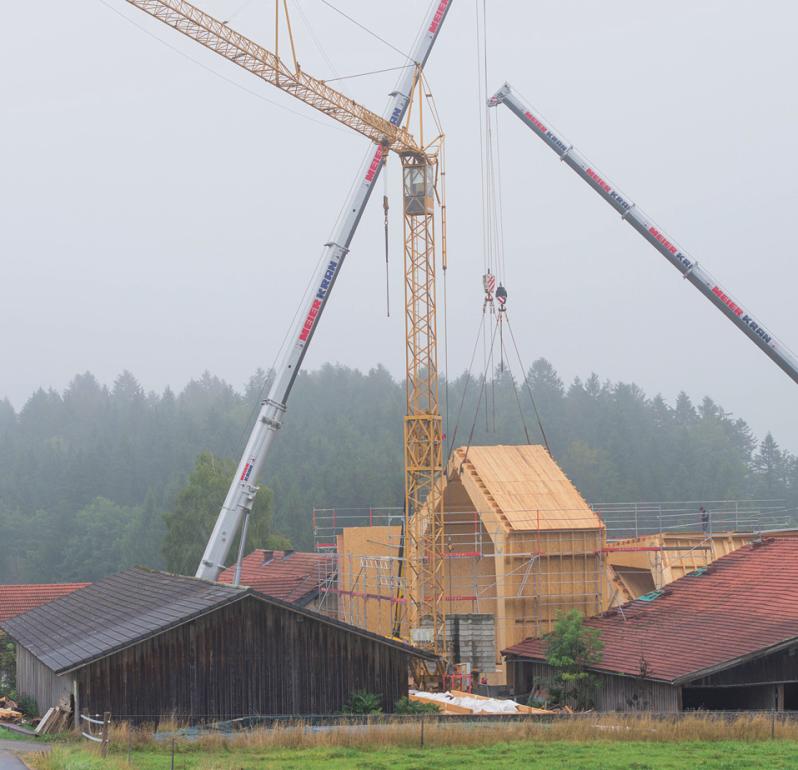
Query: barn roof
(742, 606)
(16, 599)
(124, 609)
(523, 486)
(292, 576)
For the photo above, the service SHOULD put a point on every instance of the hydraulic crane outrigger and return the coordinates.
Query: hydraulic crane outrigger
(664, 244)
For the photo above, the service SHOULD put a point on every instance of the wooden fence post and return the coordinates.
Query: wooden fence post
(104, 734)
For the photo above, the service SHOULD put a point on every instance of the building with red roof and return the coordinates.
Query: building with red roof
(723, 637)
(292, 576)
(16, 599)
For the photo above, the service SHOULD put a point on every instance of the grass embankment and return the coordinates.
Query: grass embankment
(597, 743)
(12, 735)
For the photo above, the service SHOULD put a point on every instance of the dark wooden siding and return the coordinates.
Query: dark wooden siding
(614, 693)
(247, 658)
(778, 667)
(35, 680)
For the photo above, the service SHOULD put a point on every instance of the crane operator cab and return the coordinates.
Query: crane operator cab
(417, 174)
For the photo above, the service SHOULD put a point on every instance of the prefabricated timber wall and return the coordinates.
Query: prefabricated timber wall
(368, 577)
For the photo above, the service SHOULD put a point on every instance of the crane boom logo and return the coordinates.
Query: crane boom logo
(375, 164)
(438, 17)
(321, 295)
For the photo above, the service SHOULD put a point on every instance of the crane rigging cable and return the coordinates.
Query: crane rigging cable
(528, 387)
(479, 400)
(316, 42)
(366, 29)
(465, 388)
(230, 81)
(494, 263)
(370, 72)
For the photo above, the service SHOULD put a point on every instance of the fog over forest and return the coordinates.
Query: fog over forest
(99, 477)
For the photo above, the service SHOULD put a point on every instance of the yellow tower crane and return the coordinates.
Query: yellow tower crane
(421, 173)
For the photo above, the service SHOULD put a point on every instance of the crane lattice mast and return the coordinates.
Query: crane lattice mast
(423, 430)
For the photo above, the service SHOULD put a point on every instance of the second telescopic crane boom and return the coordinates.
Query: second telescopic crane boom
(735, 311)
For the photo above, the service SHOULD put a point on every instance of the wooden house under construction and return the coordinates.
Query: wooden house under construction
(650, 562)
(521, 544)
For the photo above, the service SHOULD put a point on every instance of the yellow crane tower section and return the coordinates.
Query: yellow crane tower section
(423, 451)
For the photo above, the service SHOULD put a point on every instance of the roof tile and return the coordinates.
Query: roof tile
(16, 599)
(292, 576)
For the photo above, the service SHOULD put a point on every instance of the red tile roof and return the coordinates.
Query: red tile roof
(16, 599)
(292, 576)
(744, 603)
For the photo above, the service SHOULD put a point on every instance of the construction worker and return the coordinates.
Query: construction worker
(704, 519)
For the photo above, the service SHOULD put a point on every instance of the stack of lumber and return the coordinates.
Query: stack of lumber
(459, 702)
(9, 711)
(56, 720)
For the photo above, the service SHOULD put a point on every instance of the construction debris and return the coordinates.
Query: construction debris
(9, 710)
(459, 702)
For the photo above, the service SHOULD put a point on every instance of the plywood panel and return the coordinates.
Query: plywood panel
(367, 573)
(524, 486)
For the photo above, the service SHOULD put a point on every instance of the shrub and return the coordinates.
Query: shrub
(363, 702)
(571, 649)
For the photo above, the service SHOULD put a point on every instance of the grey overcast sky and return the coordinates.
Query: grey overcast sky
(159, 218)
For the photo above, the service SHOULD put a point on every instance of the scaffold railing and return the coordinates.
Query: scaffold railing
(627, 520)
(552, 559)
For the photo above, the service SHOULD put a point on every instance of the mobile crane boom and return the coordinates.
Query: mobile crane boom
(762, 337)
(386, 133)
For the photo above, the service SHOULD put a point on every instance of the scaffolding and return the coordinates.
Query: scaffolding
(553, 560)
(522, 583)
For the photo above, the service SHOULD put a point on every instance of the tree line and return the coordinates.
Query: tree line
(94, 479)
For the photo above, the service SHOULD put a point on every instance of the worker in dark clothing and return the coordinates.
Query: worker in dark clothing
(704, 519)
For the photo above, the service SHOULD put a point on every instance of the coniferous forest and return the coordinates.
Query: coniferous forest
(98, 478)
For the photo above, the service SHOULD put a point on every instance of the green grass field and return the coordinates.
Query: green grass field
(597, 755)
(10, 735)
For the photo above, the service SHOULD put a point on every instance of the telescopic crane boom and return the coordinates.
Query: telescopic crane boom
(735, 311)
(386, 133)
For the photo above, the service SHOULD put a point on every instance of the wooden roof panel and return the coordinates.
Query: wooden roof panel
(525, 487)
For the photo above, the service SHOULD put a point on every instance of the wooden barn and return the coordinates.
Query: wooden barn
(722, 637)
(146, 645)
